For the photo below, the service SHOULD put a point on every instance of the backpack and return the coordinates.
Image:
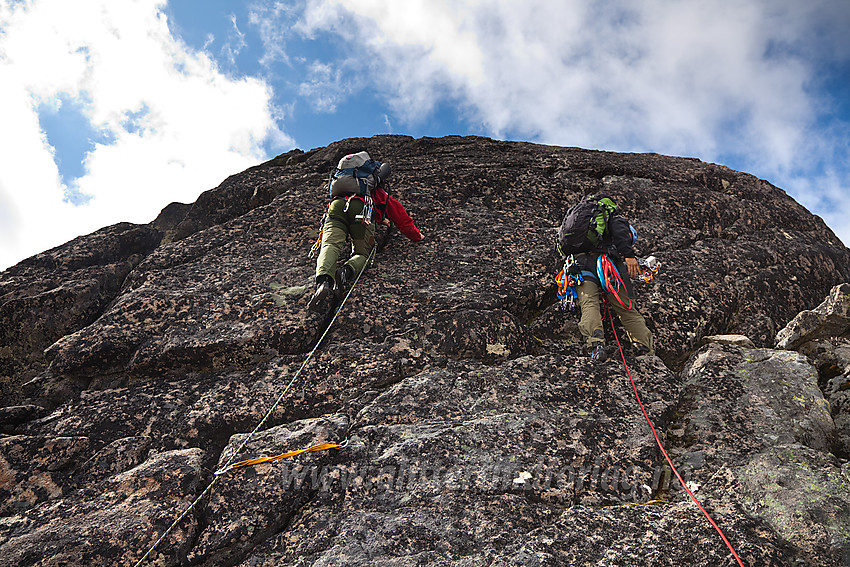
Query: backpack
(585, 225)
(357, 174)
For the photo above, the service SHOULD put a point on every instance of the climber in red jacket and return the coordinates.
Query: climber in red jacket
(392, 211)
(358, 204)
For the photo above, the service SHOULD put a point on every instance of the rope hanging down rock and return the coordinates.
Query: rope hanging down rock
(660, 446)
(229, 464)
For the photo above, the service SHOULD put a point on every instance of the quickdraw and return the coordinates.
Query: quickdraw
(257, 461)
(610, 279)
(567, 283)
(318, 244)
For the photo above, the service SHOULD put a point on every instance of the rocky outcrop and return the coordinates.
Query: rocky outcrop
(829, 319)
(823, 335)
(477, 431)
(753, 423)
(60, 291)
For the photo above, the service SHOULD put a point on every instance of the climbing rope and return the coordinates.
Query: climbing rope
(660, 446)
(610, 279)
(228, 465)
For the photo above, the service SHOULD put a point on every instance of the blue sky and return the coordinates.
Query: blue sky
(111, 109)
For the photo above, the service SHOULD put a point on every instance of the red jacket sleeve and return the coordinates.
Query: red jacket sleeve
(399, 217)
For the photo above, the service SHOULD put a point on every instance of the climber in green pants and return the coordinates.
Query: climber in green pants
(360, 200)
(340, 223)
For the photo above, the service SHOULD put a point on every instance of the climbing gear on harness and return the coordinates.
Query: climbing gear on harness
(567, 279)
(366, 215)
(660, 446)
(257, 461)
(610, 279)
(648, 268)
(318, 244)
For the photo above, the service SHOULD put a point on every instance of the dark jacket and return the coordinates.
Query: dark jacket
(618, 245)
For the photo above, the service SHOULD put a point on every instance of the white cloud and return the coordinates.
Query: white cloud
(271, 22)
(717, 79)
(326, 87)
(235, 43)
(179, 125)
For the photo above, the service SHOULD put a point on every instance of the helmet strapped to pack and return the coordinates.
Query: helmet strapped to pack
(585, 225)
(357, 174)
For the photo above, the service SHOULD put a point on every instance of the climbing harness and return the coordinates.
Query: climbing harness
(364, 217)
(610, 279)
(660, 446)
(229, 465)
(567, 280)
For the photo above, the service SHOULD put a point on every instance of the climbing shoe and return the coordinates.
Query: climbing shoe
(598, 353)
(324, 287)
(344, 276)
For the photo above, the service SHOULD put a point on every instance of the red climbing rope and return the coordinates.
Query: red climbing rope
(660, 446)
(610, 279)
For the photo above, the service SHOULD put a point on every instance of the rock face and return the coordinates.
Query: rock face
(134, 361)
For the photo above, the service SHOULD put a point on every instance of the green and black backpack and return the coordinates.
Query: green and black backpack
(585, 225)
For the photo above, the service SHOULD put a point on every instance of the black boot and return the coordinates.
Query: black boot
(324, 287)
(344, 276)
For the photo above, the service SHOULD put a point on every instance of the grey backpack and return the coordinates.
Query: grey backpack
(357, 174)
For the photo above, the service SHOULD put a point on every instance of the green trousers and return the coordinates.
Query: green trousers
(590, 325)
(339, 224)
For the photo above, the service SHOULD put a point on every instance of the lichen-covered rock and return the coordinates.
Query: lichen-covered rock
(829, 319)
(134, 360)
(805, 495)
(759, 415)
(738, 340)
(59, 292)
(107, 522)
(738, 400)
(251, 504)
(831, 357)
